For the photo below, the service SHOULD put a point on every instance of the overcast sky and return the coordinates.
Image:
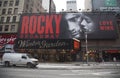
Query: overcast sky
(61, 4)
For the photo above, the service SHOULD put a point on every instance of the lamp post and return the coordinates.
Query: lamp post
(86, 47)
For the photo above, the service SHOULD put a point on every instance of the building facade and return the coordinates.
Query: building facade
(107, 48)
(71, 5)
(10, 12)
(46, 5)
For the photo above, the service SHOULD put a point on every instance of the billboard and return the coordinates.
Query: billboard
(68, 26)
(106, 5)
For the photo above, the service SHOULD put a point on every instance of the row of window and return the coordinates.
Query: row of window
(11, 3)
(15, 11)
(8, 19)
(7, 28)
(70, 2)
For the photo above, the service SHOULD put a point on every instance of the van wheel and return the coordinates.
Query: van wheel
(7, 64)
(29, 65)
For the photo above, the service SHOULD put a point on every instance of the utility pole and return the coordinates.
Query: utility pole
(86, 41)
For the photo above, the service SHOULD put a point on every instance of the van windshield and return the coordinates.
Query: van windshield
(29, 56)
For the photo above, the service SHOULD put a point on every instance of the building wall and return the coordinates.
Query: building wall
(94, 5)
(106, 5)
(11, 14)
(71, 5)
(13, 17)
(45, 4)
(88, 5)
(33, 6)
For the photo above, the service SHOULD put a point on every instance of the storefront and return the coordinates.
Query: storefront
(7, 42)
(108, 55)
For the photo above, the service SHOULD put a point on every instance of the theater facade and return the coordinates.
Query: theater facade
(46, 37)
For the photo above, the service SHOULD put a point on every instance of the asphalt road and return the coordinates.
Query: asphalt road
(22, 72)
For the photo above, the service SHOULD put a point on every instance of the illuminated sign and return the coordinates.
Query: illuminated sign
(76, 44)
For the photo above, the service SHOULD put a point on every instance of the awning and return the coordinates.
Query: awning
(112, 51)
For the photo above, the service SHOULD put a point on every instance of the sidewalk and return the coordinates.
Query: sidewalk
(79, 65)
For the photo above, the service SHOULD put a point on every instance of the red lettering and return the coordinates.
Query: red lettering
(25, 22)
(106, 23)
(33, 24)
(106, 28)
(111, 27)
(111, 23)
(49, 28)
(101, 27)
(46, 25)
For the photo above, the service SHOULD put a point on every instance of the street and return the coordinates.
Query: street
(22, 72)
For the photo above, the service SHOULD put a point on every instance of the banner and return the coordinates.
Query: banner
(68, 26)
(47, 44)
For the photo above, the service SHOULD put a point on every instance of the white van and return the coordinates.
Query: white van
(20, 59)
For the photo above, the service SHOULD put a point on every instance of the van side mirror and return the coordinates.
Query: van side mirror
(24, 57)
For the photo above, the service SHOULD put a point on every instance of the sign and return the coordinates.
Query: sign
(47, 44)
(76, 44)
(112, 51)
(7, 38)
(43, 44)
(110, 3)
(106, 5)
(58, 26)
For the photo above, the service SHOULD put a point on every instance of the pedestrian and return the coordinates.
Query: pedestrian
(114, 59)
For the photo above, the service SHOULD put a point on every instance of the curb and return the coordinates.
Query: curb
(78, 68)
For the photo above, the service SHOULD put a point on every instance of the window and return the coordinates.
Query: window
(12, 28)
(30, 10)
(15, 10)
(11, 3)
(10, 11)
(6, 27)
(0, 3)
(2, 19)
(8, 19)
(5, 3)
(0, 27)
(17, 3)
(4, 11)
(24, 57)
(27, 6)
(14, 19)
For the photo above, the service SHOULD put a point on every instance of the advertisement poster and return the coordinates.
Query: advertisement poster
(68, 26)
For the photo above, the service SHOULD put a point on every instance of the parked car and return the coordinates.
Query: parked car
(20, 59)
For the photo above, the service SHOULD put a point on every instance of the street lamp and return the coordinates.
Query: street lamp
(86, 46)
